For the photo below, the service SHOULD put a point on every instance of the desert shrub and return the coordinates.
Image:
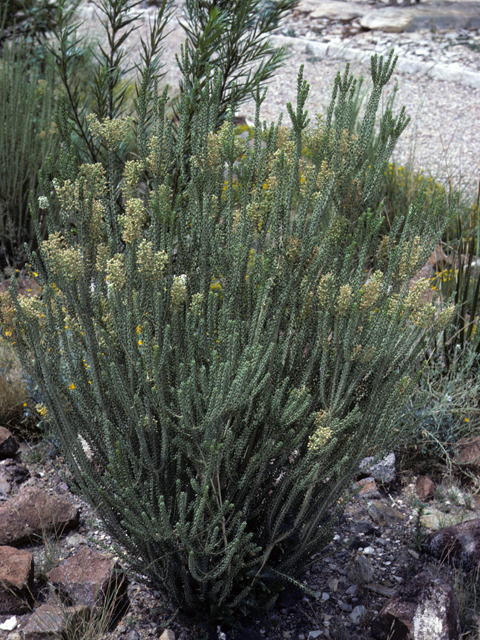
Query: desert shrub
(27, 136)
(226, 423)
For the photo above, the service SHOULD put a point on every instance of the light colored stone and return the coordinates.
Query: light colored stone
(338, 10)
(424, 609)
(358, 614)
(168, 634)
(442, 17)
(9, 624)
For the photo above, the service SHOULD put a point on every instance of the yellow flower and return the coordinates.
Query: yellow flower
(72, 386)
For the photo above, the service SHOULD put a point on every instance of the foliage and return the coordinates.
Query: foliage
(27, 137)
(445, 411)
(226, 424)
(107, 97)
(30, 20)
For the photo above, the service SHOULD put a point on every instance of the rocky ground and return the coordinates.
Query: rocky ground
(358, 580)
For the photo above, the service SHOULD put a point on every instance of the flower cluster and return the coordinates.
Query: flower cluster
(322, 433)
(151, 263)
(116, 276)
(179, 290)
(110, 132)
(133, 220)
(63, 261)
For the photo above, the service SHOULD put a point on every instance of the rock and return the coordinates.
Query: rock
(383, 514)
(34, 511)
(51, 621)
(459, 543)
(16, 580)
(337, 10)
(468, 454)
(423, 609)
(168, 634)
(86, 577)
(8, 444)
(359, 570)
(11, 473)
(425, 488)
(9, 624)
(358, 614)
(382, 471)
(368, 488)
(434, 519)
(441, 17)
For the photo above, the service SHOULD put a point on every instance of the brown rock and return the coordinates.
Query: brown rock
(34, 511)
(16, 581)
(424, 609)
(8, 444)
(85, 577)
(459, 543)
(51, 621)
(425, 488)
(368, 488)
(468, 454)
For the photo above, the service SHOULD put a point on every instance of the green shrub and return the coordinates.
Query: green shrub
(27, 136)
(228, 393)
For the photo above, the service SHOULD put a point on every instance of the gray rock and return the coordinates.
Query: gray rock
(382, 471)
(424, 609)
(337, 10)
(359, 570)
(441, 17)
(358, 614)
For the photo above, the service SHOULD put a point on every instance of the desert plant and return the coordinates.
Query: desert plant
(27, 136)
(226, 422)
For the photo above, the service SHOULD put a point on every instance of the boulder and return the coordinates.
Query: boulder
(8, 444)
(423, 609)
(33, 511)
(16, 581)
(459, 543)
(87, 577)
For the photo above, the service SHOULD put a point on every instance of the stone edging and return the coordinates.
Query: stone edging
(447, 72)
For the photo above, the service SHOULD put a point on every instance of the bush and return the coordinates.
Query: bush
(226, 422)
(27, 136)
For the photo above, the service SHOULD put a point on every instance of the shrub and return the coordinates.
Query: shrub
(222, 359)
(27, 136)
